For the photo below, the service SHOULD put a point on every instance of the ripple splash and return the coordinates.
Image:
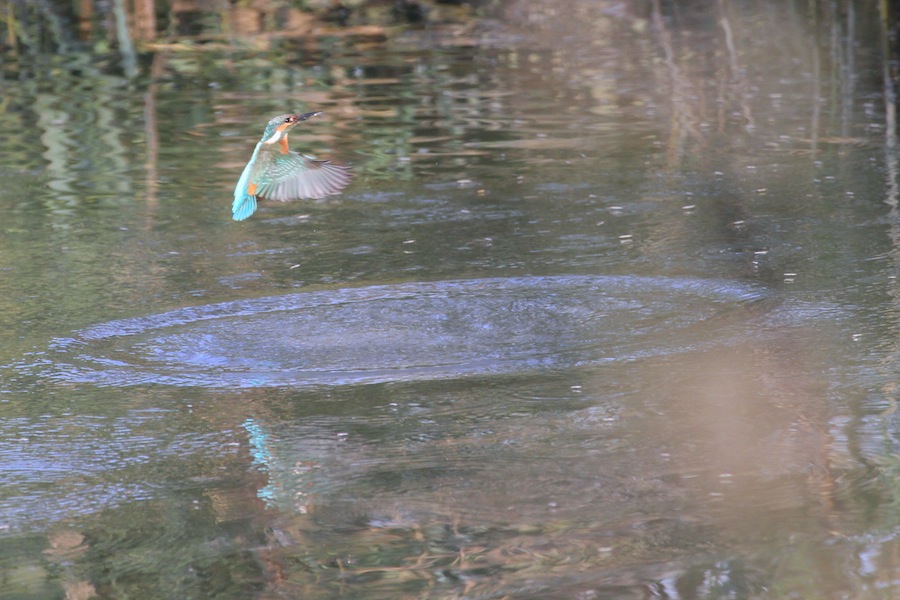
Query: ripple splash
(403, 332)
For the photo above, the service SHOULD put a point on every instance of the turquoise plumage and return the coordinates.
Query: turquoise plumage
(277, 173)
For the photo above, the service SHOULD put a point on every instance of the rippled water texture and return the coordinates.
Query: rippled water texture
(609, 309)
(400, 333)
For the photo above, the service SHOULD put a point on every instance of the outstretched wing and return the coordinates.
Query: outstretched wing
(291, 176)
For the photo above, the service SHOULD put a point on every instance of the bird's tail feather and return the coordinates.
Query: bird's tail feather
(243, 207)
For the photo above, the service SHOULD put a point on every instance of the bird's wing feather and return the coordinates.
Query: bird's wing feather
(291, 176)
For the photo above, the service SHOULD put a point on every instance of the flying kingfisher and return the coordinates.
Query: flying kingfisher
(276, 173)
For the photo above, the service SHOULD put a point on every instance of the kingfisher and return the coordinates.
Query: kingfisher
(275, 172)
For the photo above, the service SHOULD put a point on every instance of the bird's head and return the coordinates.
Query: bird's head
(280, 125)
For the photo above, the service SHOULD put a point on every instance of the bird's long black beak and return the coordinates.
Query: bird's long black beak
(306, 116)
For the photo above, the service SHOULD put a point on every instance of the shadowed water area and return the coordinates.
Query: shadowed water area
(609, 310)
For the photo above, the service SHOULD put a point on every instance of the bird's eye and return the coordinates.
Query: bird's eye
(288, 119)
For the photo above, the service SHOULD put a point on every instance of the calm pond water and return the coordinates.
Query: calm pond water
(610, 310)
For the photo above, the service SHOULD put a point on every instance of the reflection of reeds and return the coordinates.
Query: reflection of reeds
(126, 47)
(12, 37)
(151, 129)
(688, 88)
(890, 110)
(701, 75)
(683, 123)
(408, 120)
(46, 26)
(892, 185)
(737, 73)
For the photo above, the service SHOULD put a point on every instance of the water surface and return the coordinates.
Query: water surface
(609, 311)
(413, 331)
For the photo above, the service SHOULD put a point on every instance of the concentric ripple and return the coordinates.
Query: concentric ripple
(403, 332)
